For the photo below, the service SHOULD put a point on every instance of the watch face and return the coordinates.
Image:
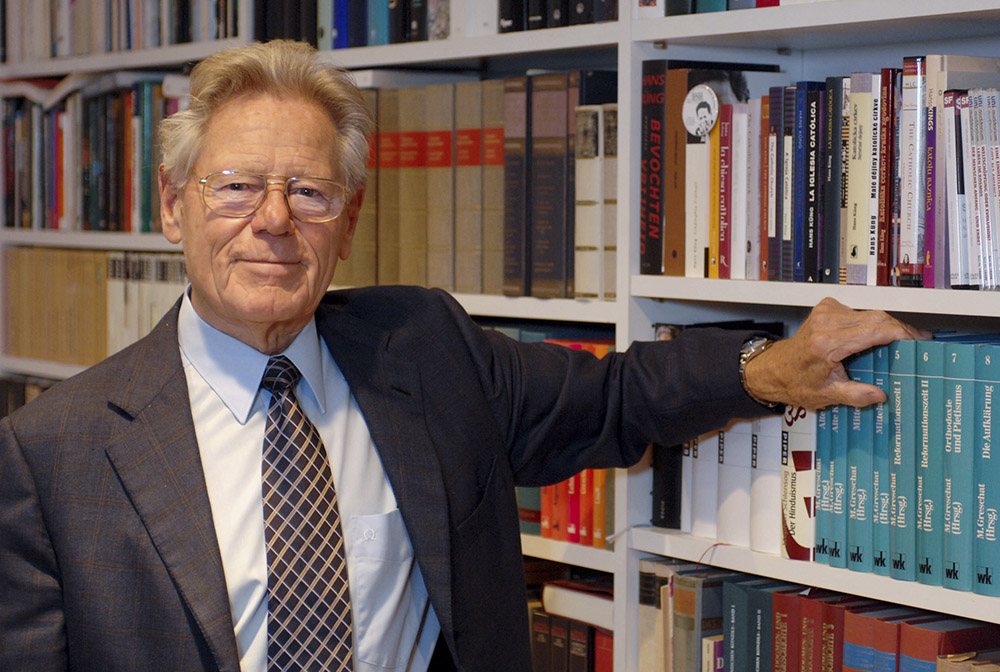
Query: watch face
(700, 110)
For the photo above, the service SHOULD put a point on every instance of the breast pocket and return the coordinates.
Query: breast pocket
(387, 606)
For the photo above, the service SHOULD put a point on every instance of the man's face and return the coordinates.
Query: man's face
(265, 273)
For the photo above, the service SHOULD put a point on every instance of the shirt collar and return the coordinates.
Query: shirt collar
(234, 370)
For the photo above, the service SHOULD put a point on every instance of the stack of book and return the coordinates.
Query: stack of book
(517, 15)
(694, 618)
(572, 626)
(79, 306)
(887, 177)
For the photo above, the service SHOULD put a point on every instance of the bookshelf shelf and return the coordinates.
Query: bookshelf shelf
(825, 25)
(753, 292)
(523, 307)
(38, 367)
(94, 240)
(573, 554)
(695, 549)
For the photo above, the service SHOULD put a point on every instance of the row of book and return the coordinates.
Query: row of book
(652, 8)
(79, 306)
(561, 644)
(80, 153)
(692, 619)
(517, 15)
(581, 509)
(16, 391)
(465, 191)
(42, 29)
(907, 488)
(887, 177)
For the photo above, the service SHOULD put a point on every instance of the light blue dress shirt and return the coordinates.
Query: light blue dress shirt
(395, 627)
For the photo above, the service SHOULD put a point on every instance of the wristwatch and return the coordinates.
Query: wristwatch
(751, 348)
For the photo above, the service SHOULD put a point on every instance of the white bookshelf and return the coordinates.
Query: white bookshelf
(808, 41)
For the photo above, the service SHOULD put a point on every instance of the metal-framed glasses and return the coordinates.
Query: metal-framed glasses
(313, 200)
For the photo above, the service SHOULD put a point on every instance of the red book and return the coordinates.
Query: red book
(786, 632)
(859, 634)
(573, 509)
(831, 637)
(548, 503)
(888, 118)
(920, 643)
(560, 511)
(811, 623)
(586, 508)
(604, 650)
(765, 122)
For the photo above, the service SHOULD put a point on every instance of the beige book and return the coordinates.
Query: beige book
(469, 187)
(387, 225)
(610, 186)
(359, 269)
(439, 110)
(589, 202)
(493, 196)
(412, 186)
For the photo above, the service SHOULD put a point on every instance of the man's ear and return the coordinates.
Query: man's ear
(351, 211)
(170, 207)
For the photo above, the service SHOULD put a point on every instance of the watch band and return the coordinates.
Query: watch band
(752, 348)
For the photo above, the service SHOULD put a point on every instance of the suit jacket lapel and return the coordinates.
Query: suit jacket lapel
(387, 389)
(156, 457)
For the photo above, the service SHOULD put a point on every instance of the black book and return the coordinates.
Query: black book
(512, 16)
(416, 21)
(582, 11)
(398, 20)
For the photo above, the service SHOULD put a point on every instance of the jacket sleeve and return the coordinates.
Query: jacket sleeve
(32, 630)
(564, 410)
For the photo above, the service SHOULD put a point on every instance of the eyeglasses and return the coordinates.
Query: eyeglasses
(313, 200)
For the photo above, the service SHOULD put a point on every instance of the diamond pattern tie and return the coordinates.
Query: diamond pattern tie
(309, 607)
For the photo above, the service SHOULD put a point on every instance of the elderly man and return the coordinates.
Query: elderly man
(281, 478)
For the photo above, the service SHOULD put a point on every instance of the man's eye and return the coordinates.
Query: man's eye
(237, 186)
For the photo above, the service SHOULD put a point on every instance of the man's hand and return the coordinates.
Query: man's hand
(806, 369)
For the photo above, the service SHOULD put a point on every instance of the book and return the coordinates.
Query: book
(902, 460)
(581, 647)
(733, 503)
(388, 197)
(609, 181)
(930, 461)
(713, 654)
(493, 189)
(517, 137)
(827, 426)
(589, 196)
(468, 262)
(859, 635)
(959, 463)
(558, 642)
(697, 614)
(913, 124)
(656, 586)
(738, 623)
(786, 632)
(765, 485)
(881, 501)
(920, 643)
(413, 172)
(889, 101)
(798, 447)
(860, 454)
(705, 485)
(808, 179)
(603, 650)
(860, 174)
(540, 635)
(586, 600)
(439, 173)
(741, 210)
(760, 601)
(986, 548)
(653, 158)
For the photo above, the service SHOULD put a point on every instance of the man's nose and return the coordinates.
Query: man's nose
(274, 214)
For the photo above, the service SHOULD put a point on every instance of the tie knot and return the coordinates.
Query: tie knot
(280, 375)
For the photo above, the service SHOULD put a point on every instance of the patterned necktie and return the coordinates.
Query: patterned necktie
(309, 607)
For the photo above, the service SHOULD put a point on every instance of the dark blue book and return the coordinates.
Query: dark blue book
(833, 181)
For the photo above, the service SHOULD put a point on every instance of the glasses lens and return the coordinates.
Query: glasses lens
(234, 194)
(313, 199)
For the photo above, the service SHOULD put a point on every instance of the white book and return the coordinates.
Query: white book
(859, 178)
(589, 607)
(733, 496)
(117, 324)
(474, 18)
(958, 231)
(991, 187)
(765, 485)
(980, 203)
(324, 25)
(739, 212)
(913, 153)
(589, 211)
(705, 486)
(656, 607)
(872, 173)
(62, 27)
(609, 181)
(972, 215)
(798, 483)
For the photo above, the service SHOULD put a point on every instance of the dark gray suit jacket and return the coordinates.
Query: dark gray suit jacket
(108, 555)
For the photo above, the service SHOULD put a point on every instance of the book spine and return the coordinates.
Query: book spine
(705, 485)
(469, 187)
(674, 212)
(653, 139)
(798, 480)
(517, 183)
(733, 507)
(774, 182)
(589, 237)
(493, 189)
(439, 108)
(973, 225)
(744, 204)
(837, 553)
(723, 257)
(357, 24)
(826, 420)
(986, 548)
(799, 185)
(912, 124)
(902, 460)
(933, 262)
(788, 185)
(813, 192)
(512, 16)
(858, 178)
(609, 178)
(764, 187)
(881, 501)
(378, 22)
(959, 463)
(930, 461)
(765, 485)
(958, 232)
(413, 169)
(860, 454)
(548, 176)
(387, 252)
(872, 176)
(890, 82)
